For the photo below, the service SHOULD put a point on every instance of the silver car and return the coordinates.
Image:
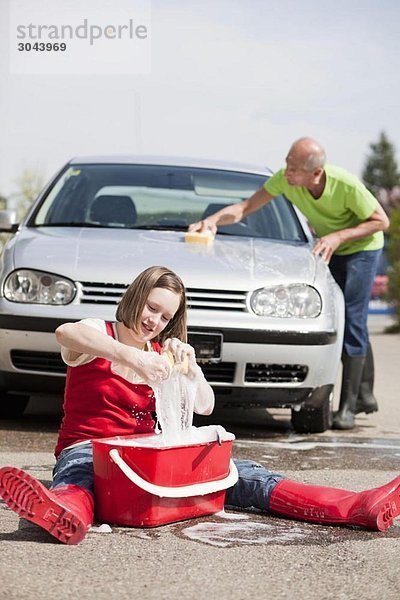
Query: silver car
(265, 315)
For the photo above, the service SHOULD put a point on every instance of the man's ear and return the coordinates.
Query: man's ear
(318, 172)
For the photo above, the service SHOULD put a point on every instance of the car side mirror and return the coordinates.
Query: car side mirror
(8, 221)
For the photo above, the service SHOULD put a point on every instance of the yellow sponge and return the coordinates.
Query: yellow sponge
(182, 367)
(196, 237)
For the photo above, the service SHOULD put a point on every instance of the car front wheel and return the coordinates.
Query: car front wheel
(316, 415)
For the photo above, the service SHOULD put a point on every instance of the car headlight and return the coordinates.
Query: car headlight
(38, 287)
(296, 300)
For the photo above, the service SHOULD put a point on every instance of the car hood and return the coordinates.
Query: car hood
(117, 256)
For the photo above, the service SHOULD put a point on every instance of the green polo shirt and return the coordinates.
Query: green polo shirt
(345, 203)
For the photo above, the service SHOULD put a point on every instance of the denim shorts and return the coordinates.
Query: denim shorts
(253, 488)
(74, 466)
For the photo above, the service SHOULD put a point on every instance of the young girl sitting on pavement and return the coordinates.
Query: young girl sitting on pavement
(111, 367)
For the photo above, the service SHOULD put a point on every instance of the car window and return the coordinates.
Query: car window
(160, 197)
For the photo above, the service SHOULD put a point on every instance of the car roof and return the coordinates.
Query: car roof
(171, 161)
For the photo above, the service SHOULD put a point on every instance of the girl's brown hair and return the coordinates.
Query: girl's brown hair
(132, 303)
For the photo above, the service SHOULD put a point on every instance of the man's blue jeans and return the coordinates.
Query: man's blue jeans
(355, 273)
(252, 491)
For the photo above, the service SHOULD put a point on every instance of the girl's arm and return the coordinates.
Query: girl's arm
(205, 399)
(84, 339)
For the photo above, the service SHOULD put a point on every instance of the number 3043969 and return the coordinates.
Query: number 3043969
(42, 47)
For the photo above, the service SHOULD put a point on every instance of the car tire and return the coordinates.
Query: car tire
(315, 419)
(12, 406)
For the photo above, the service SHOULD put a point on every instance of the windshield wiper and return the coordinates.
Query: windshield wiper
(71, 224)
(161, 227)
(172, 227)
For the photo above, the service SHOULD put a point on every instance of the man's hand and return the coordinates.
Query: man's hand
(204, 226)
(327, 245)
(232, 213)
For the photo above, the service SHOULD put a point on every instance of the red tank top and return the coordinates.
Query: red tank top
(99, 403)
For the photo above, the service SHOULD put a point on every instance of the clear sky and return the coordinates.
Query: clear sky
(230, 79)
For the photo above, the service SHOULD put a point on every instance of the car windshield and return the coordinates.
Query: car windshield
(160, 197)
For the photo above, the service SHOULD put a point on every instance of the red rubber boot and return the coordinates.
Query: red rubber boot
(65, 512)
(372, 509)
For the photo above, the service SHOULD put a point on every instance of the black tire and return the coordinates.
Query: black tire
(315, 419)
(12, 406)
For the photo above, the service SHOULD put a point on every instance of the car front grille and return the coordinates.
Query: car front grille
(101, 293)
(222, 372)
(216, 300)
(51, 362)
(110, 293)
(262, 373)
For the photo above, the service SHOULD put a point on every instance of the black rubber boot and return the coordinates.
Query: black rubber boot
(351, 379)
(366, 401)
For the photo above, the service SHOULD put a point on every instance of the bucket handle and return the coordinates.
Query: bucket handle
(183, 491)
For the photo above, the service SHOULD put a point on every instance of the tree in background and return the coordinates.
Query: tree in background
(382, 178)
(29, 184)
(394, 258)
(381, 174)
(3, 206)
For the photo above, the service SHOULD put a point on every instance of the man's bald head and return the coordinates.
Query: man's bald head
(308, 153)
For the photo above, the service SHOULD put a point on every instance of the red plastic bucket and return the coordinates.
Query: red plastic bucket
(139, 483)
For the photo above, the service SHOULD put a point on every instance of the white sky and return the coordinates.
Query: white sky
(230, 79)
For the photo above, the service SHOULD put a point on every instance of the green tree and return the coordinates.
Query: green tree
(393, 293)
(382, 178)
(381, 174)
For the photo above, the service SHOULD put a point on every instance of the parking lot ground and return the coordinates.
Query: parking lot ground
(231, 555)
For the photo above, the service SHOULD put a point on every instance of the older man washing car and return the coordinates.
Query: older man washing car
(349, 223)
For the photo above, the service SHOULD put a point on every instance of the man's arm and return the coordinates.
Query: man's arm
(327, 245)
(233, 213)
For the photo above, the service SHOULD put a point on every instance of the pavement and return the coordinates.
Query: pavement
(379, 322)
(230, 555)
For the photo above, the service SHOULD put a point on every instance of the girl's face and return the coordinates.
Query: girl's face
(160, 308)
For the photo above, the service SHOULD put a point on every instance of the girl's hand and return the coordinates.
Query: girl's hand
(151, 367)
(204, 400)
(182, 353)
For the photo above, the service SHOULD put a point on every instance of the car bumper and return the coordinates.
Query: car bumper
(288, 364)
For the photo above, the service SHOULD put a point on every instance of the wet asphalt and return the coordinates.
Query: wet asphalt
(228, 555)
